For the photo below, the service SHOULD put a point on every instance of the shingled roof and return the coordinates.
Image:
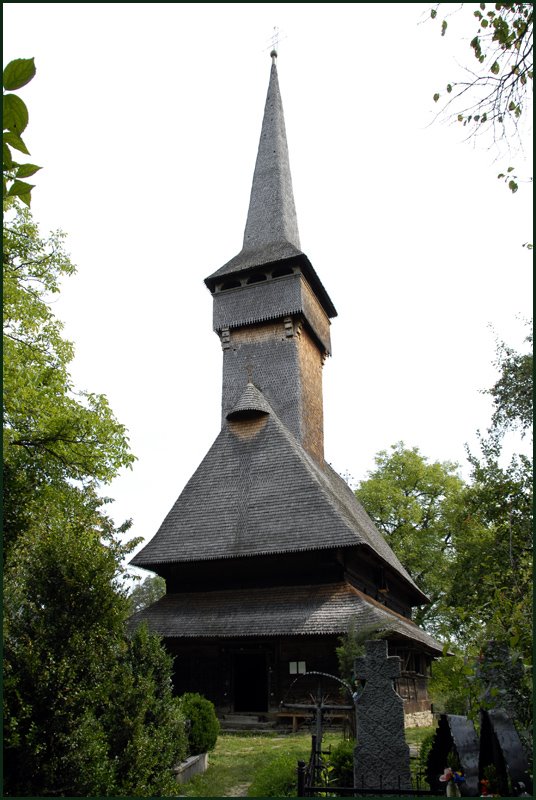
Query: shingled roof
(275, 611)
(266, 495)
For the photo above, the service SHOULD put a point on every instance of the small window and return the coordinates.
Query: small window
(257, 278)
(279, 273)
(297, 667)
(232, 284)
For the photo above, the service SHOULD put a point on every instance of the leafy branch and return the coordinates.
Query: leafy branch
(15, 115)
(493, 97)
(503, 46)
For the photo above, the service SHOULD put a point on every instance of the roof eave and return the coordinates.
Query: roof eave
(263, 261)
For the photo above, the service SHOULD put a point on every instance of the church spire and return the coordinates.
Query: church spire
(271, 233)
(272, 217)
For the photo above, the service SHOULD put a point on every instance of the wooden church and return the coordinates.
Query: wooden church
(267, 555)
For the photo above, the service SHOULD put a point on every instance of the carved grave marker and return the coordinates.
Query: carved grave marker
(381, 757)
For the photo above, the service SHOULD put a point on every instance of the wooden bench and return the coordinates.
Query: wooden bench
(298, 717)
(295, 716)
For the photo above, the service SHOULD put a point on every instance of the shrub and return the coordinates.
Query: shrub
(88, 711)
(424, 749)
(204, 727)
(342, 761)
(277, 778)
(147, 730)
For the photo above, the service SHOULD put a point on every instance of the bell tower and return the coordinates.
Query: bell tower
(271, 312)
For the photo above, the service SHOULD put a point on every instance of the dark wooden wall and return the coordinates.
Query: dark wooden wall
(236, 673)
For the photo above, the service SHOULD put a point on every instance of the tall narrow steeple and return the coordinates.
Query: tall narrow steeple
(272, 221)
(271, 233)
(271, 310)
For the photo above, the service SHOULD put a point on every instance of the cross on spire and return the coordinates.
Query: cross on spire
(274, 43)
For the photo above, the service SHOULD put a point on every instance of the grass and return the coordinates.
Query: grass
(236, 759)
(416, 735)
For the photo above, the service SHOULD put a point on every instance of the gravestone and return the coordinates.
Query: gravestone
(500, 747)
(498, 756)
(455, 737)
(381, 757)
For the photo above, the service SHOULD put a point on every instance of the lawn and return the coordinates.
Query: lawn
(236, 759)
(233, 763)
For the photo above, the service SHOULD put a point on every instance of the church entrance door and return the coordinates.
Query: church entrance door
(250, 682)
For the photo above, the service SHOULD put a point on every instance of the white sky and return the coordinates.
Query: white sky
(146, 119)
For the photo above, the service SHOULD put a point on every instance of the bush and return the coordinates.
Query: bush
(424, 751)
(147, 729)
(277, 778)
(88, 711)
(204, 727)
(342, 761)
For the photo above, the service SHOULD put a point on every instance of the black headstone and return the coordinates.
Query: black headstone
(500, 747)
(455, 735)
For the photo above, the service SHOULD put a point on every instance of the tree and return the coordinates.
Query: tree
(416, 505)
(492, 576)
(88, 710)
(501, 495)
(148, 591)
(15, 119)
(474, 542)
(493, 97)
(513, 391)
(54, 436)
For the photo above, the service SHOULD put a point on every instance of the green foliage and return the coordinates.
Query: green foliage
(424, 750)
(501, 496)
(451, 686)
(491, 777)
(352, 645)
(416, 504)
(341, 759)
(67, 433)
(203, 727)
(513, 391)
(276, 778)
(56, 440)
(474, 543)
(495, 94)
(147, 592)
(504, 679)
(146, 726)
(15, 120)
(490, 580)
(238, 757)
(58, 606)
(87, 711)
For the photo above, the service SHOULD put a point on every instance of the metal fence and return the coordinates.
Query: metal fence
(309, 787)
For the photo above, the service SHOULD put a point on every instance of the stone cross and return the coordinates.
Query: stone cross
(381, 757)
